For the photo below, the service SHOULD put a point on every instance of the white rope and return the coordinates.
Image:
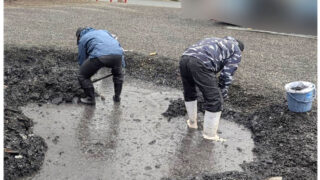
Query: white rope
(272, 32)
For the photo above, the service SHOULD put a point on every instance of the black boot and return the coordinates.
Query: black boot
(117, 92)
(89, 99)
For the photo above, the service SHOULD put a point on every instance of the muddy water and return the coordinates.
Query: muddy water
(131, 140)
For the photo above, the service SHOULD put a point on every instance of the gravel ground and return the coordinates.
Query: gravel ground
(269, 61)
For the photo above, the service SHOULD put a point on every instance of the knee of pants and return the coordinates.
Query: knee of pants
(118, 79)
(84, 82)
(189, 90)
(190, 96)
(213, 106)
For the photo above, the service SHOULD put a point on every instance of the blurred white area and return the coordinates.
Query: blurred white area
(155, 3)
(292, 16)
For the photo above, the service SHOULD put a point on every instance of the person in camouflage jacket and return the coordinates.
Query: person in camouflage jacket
(199, 65)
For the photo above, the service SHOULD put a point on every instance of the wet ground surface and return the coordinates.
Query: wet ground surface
(132, 140)
(285, 143)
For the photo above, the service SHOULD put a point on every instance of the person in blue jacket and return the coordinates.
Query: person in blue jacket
(199, 65)
(97, 49)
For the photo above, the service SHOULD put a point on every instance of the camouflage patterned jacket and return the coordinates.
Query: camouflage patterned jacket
(218, 55)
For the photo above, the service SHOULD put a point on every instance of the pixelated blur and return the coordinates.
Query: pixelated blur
(290, 16)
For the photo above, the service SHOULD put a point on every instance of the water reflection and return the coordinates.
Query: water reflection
(193, 155)
(98, 134)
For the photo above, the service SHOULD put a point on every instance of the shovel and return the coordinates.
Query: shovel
(104, 77)
(96, 80)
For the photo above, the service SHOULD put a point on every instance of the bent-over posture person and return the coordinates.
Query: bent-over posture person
(199, 65)
(97, 49)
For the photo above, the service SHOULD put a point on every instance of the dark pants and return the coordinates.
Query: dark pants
(194, 73)
(91, 66)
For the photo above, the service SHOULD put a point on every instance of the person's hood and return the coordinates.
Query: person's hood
(85, 31)
(236, 42)
(229, 38)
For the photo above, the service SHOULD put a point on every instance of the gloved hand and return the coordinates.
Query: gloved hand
(224, 93)
(114, 36)
(116, 98)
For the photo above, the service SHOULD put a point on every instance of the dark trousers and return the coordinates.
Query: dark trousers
(91, 66)
(194, 73)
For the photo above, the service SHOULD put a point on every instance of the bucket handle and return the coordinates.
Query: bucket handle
(314, 95)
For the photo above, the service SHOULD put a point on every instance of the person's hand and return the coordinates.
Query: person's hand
(224, 93)
(114, 36)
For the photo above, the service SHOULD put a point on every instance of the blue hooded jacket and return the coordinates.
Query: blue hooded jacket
(96, 43)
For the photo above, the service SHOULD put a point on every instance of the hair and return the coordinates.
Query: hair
(240, 44)
(78, 32)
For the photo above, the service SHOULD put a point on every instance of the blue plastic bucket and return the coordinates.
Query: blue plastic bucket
(300, 95)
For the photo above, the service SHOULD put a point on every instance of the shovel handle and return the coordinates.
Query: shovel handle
(96, 80)
(104, 77)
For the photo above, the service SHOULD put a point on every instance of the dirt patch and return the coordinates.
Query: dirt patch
(285, 141)
(39, 76)
(158, 69)
(24, 152)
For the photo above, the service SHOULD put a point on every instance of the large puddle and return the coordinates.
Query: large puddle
(131, 140)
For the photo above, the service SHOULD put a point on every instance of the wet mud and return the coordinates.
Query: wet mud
(285, 142)
(157, 69)
(48, 75)
(132, 140)
(24, 152)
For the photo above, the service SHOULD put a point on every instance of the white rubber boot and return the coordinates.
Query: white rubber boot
(210, 126)
(192, 111)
